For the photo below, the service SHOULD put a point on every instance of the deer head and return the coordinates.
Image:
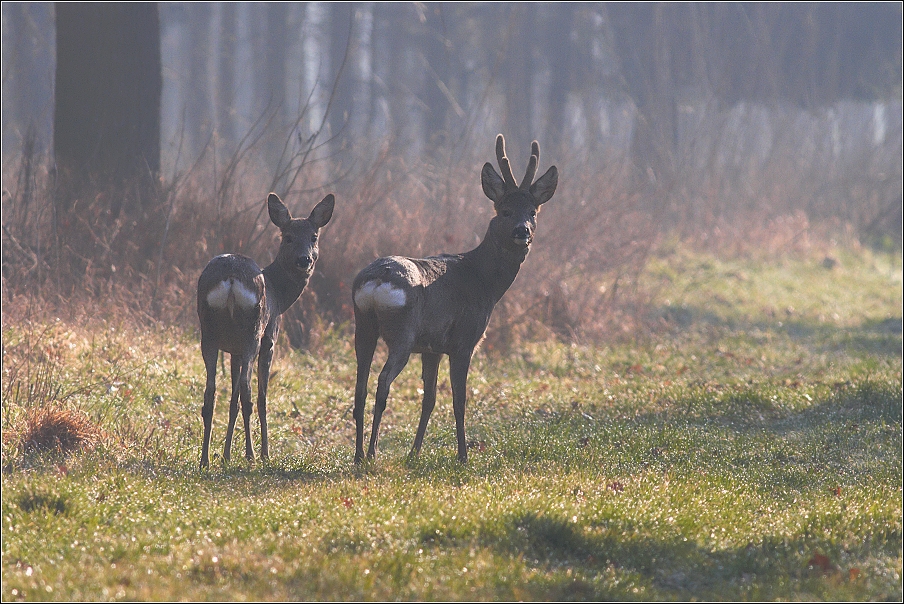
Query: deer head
(299, 250)
(516, 205)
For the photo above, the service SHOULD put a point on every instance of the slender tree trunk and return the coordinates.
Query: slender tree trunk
(226, 109)
(198, 94)
(394, 19)
(559, 53)
(27, 68)
(642, 40)
(436, 82)
(277, 39)
(269, 46)
(341, 16)
(518, 71)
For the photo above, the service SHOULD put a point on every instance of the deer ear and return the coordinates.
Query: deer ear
(323, 211)
(545, 187)
(493, 185)
(279, 213)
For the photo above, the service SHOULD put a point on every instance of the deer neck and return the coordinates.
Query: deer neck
(496, 265)
(283, 286)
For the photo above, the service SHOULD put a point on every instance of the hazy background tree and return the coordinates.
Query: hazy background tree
(563, 72)
(198, 101)
(107, 98)
(437, 85)
(558, 48)
(270, 28)
(226, 86)
(807, 55)
(342, 55)
(27, 71)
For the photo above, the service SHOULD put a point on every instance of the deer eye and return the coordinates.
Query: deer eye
(533, 213)
(314, 238)
(506, 213)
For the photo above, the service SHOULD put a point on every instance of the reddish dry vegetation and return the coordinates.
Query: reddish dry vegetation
(136, 254)
(143, 263)
(53, 429)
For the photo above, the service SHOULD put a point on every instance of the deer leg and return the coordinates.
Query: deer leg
(430, 362)
(210, 354)
(263, 379)
(235, 368)
(247, 405)
(458, 374)
(365, 343)
(398, 358)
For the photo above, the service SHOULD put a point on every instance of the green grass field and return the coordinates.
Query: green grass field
(748, 447)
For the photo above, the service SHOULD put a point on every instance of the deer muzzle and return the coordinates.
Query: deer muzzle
(521, 235)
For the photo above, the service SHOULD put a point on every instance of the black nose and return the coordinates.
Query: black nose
(521, 232)
(305, 262)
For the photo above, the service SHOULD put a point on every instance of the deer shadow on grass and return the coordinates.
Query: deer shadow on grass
(674, 566)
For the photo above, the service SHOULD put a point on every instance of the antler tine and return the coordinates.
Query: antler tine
(532, 164)
(531, 172)
(504, 166)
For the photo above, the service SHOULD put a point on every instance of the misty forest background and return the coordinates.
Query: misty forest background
(139, 140)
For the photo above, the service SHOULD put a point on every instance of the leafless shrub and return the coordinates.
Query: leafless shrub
(579, 281)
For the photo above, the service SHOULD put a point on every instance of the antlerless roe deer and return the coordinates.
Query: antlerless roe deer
(442, 304)
(239, 306)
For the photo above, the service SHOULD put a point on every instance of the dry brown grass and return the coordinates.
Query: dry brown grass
(579, 282)
(144, 265)
(54, 429)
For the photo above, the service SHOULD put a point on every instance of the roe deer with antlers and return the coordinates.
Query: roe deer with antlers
(442, 304)
(239, 306)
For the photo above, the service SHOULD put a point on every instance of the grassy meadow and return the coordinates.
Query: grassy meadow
(746, 444)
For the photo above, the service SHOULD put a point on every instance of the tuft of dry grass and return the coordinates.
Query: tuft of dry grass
(51, 429)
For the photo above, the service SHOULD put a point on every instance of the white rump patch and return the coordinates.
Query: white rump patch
(219, 296)
(375, 294)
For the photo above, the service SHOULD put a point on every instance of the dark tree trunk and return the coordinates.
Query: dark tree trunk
(226, 93)
(559, 51)
(271, 25)
(518, 70)
(392, 20)
(199, 90)
(341, 17)
(436, 82)
(276, 42)
(108, 87)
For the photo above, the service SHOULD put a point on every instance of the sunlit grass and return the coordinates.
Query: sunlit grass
(741, 451)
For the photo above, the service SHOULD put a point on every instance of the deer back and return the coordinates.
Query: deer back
(232, 302)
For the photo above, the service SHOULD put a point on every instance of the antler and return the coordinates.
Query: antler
(532, 164)
(504, 165)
